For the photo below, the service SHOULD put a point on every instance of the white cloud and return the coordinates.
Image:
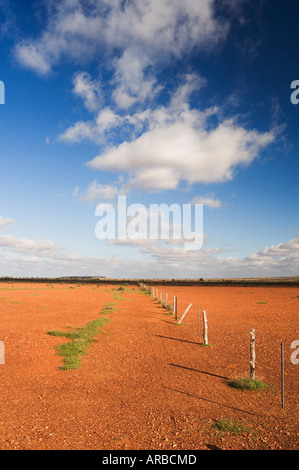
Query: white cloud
(45, 258)
(208, 200)
(80, 132)
(40, 248)
(289, 248)
(94, 130)
(132, 85)
(170, 144)
(190, 83)
(180, 146)
(89, 90)
(160, 147)
(162, 28)
(29, 55)
(278, 260)
(97, 192)
(4, 222)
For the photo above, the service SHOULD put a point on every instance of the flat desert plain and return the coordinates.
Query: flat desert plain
(146, 381)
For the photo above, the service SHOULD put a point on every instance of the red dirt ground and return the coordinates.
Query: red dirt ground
(147, 382)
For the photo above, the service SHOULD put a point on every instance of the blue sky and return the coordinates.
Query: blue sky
(159, 100)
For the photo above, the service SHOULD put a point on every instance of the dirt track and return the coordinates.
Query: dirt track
(146, 383)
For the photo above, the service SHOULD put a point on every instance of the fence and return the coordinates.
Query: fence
(202, 328)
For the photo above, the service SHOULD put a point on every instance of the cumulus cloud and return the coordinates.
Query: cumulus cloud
(280, 251)
(135, 38)
(182, 146)
(279, 260)
(159, 147)
(170, 144)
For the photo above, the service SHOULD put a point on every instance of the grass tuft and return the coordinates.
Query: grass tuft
(230, 425)
(247, 384)
(80, 340)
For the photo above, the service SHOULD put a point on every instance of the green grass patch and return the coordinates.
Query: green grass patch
(117, 293)
(110, 306)
(80, 340)
(247, 384)
(231, 426)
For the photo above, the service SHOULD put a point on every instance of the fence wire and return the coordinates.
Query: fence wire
(233, 336)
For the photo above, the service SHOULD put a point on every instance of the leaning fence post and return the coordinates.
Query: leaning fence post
(205, 327)
(181, 319)
(252, 354)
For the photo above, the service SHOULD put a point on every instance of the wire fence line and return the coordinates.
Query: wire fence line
(171, 306)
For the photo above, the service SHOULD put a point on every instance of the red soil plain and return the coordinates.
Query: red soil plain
(147, 382)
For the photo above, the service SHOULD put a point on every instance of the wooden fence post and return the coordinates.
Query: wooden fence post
(282, 375)
(252, 354)
(205, 327)
(175, 308)
(2, 353)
